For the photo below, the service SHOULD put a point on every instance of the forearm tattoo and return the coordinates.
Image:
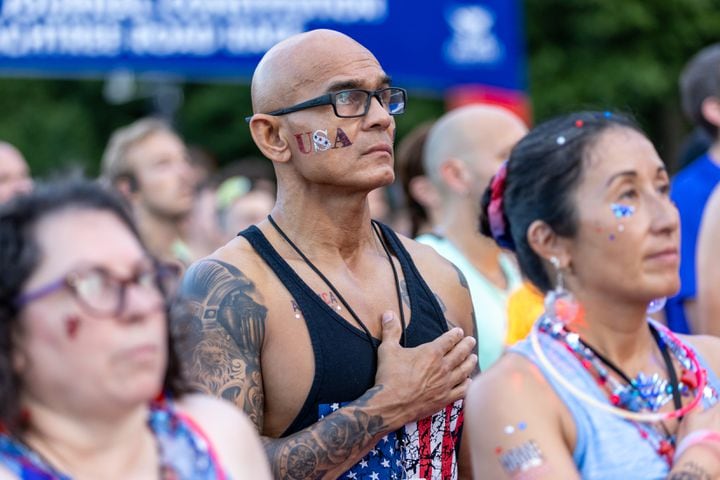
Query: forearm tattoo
(220, 328)
(314, 452)
(690, 471)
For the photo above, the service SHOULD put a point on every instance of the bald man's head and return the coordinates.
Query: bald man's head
(295, 63)
(481, 136)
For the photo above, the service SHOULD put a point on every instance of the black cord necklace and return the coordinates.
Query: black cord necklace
(335, 291)
(677, 400)
(675, 387)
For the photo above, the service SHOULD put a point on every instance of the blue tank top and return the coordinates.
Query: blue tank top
(185, 453)
(345, 367)
(607, 446)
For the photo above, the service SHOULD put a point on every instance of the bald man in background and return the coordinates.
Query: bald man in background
(14, 173)
(463, 151)
(323, 326)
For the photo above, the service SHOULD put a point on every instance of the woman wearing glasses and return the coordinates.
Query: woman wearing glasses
(89, 384)
(598, 391)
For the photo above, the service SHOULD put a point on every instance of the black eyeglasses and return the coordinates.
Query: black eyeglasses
(101, 293)
(352, 103)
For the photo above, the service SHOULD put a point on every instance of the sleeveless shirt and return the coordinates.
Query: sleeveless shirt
(608, 447)
(185, 452)
(345, 367)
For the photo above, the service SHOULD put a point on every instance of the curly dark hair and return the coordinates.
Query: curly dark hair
(543, 172)
(20, 255)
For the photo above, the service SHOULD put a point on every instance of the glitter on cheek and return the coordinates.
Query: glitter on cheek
(622, 211)
(522, 426)
(621, 228)
(611, 237)
(509, 429)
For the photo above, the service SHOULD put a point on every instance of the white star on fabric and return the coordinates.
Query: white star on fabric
(385, 463)
(374, 451)
(352, 475)
(374, 476)
(363, 463)
(335, 406)
(385, 439)
(398, 462)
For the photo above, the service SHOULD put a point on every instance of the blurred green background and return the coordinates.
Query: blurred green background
(618, 54)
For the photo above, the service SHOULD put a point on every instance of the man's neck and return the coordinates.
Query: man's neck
(334, 225)
(158, 233)
(460, 227)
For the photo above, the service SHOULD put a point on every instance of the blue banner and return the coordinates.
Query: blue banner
(432, 44)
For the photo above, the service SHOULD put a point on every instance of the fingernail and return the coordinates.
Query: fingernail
(387, 317)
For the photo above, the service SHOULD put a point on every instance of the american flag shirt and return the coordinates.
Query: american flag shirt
(425, 449)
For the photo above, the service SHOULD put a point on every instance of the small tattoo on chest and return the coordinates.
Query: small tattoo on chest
(328, 297)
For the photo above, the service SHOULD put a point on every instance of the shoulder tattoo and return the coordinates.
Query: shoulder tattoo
(220, 325)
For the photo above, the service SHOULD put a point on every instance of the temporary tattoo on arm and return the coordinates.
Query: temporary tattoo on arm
(221, 335)
(315, 451)
(522, 458)
(690, 471)
(464, 283)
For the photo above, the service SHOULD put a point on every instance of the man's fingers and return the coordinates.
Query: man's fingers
(460, 352)
(391, 329)
(447, 341)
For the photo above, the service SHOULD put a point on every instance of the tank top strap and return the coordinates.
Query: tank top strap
(422, 299)
(185, 450)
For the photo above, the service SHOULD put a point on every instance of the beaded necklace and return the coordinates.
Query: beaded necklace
(630, 399)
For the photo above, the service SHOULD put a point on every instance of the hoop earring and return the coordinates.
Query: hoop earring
(560, 304)
(656, 305)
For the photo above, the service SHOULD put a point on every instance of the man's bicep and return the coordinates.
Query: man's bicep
(222, 330)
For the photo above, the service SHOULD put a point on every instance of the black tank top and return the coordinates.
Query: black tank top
(345, 362)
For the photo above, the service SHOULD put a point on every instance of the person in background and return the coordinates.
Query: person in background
(241, 202)
(90, 386)
(691, 187)
(421, 197)
(463, 151)
(14, 173)
(149, 164)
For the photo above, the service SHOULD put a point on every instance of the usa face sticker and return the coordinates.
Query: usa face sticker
(320, 140)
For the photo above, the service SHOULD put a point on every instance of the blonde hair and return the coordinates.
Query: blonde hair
(115, 158)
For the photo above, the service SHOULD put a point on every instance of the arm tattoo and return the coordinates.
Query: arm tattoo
(690, 471)
(317, 450)
(464, 283)
(221, 329)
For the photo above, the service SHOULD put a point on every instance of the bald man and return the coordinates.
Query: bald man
(14, 173)
(325, 327)
(463, 151)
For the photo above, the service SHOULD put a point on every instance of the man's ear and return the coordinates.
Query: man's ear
(270, 138)
(456, 175)
(547, 244)
(127, 185)
(424, 192)
(710, 109)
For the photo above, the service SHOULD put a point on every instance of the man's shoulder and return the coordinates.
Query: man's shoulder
(235, 262)
(424, 253)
